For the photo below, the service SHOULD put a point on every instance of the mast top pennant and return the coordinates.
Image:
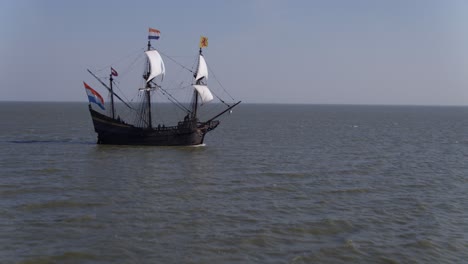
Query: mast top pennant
(203, 42)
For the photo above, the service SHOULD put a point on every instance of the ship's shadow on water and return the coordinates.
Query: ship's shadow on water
(58, 141)
(90, 142)
(111, 146)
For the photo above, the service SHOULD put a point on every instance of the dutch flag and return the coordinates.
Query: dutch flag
(153, 33)
(94, 97)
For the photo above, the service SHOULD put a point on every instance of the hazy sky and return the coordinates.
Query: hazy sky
(263, 51)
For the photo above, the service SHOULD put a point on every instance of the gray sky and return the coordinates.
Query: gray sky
(263, 51)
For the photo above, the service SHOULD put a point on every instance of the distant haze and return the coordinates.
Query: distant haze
(330, 51)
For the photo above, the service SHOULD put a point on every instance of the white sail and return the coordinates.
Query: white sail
(204, 93)
(202, 69)
(156, 64)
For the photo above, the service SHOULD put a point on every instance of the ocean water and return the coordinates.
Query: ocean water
(273, 184)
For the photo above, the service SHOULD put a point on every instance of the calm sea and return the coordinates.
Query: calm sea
(274, 184)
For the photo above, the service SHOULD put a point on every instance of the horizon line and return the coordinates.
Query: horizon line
(260, 103)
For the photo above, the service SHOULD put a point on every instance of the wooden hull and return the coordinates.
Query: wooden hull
(116, 132)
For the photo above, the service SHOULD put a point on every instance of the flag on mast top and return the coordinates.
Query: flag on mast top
(203, 42)
(114, 72)
(153, 33)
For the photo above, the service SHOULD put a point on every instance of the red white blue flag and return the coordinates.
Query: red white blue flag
(153, 33)
(94, 97)
(114, 72)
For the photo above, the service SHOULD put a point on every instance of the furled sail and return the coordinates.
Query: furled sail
(202, 69)
(204, 93)
(156, 64)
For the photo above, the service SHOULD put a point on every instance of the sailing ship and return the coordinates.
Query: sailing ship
(112, 129)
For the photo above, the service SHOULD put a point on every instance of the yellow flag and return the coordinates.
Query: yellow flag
(203, 42)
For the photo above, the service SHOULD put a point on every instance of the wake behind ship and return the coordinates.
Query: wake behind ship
(111, 129)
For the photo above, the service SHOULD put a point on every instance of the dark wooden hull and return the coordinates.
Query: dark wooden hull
(116, 132)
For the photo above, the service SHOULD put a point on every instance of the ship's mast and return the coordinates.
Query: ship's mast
(112, 95)
(148, 91)
(195, 92)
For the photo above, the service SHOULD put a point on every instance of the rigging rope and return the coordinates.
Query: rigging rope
(117, 86)
(176, 62)
(119, 60)
(220, 84)
(123, 72)
(172, 98)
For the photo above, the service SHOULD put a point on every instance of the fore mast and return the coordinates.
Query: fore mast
(201, 77)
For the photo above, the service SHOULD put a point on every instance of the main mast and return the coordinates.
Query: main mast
(155, 67)
(148, 90)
